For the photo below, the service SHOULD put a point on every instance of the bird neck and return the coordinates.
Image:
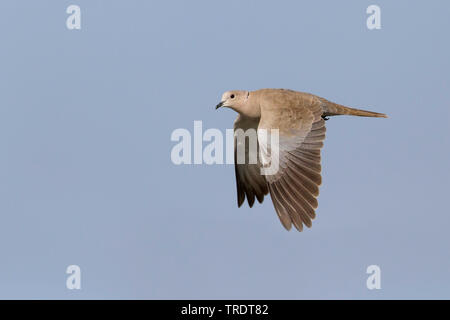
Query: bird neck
(251, 107)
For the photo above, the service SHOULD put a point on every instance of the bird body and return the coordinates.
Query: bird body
(300, 120)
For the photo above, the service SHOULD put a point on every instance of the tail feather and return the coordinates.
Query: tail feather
(334, 109)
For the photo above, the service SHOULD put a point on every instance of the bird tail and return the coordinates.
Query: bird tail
(334, 109)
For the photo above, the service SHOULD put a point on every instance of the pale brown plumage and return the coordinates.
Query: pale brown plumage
(299, 117)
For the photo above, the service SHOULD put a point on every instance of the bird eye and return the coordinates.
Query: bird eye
(232, 96)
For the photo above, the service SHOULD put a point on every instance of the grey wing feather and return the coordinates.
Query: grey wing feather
(250, 183)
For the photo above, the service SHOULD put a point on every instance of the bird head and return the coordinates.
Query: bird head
(235, 99)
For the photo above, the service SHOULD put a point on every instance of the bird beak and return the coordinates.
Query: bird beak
(220, 104)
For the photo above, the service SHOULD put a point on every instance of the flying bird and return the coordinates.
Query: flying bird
(300, 120)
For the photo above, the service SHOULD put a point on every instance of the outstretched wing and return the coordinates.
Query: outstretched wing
(249, 181)
(295, 186)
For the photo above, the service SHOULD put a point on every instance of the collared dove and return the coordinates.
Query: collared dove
(300, 120)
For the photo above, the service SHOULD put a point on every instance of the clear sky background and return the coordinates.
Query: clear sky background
(86, 176)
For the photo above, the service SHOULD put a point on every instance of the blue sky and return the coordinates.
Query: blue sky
(86, 176)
